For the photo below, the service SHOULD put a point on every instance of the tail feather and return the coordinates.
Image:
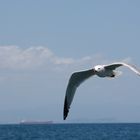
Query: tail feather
(117, 73)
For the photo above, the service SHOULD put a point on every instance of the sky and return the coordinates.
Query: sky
(43, 42)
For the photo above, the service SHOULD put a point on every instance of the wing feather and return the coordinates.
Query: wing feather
(113, 66)
(133, 68)
(75, 80)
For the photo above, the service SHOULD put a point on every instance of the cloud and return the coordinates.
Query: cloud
(41, 57)
(20, 58)
(127, 60)
(14, 57)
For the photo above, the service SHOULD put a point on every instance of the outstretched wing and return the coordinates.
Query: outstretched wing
(113, 66)
(75, 80)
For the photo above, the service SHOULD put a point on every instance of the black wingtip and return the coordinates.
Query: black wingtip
(65, 117)
(66, 110)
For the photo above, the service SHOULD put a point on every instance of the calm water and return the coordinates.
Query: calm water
(71, 132)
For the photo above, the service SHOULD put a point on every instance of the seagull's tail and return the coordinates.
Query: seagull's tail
(117, 73)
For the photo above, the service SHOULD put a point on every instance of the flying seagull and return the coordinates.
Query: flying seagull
(78, 77)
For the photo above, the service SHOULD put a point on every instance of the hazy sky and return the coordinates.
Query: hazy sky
(43, 41)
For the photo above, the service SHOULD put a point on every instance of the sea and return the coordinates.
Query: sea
(107, 131)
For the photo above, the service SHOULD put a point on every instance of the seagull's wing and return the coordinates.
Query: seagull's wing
(75, 80)
(113, 66)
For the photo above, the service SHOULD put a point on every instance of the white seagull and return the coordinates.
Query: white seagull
(100, 70)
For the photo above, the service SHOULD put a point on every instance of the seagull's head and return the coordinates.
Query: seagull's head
(99, 68)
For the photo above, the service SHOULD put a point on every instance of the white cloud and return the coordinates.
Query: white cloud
(32, 58)
(14, 57)
(19, 58)
(127, 60)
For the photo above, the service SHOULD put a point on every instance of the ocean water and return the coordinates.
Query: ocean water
(71, 132)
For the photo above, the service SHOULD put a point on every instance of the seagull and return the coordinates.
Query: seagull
(100, 70)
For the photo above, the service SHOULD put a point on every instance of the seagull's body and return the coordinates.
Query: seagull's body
(78, 77)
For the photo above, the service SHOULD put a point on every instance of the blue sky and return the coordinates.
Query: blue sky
(43, 42)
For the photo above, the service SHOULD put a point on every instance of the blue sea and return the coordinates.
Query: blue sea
(71, 132)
